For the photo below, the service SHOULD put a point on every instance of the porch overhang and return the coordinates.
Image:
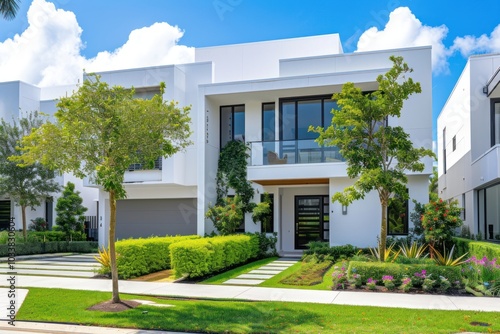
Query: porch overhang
(493, 85)
(291, 182)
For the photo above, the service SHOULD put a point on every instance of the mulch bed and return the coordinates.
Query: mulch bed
(109, 306)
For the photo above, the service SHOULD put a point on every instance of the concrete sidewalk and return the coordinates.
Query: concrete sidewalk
(430, 302)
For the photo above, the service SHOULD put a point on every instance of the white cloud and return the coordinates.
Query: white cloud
(468, 45)
(404, 30)
(148, 46)
(48, 52)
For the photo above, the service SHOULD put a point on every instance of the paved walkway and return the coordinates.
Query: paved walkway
(436, 302)
(257, 276)
(62, 265)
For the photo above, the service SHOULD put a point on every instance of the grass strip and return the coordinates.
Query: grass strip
(69, 306)
(219, 279)
(309, 273)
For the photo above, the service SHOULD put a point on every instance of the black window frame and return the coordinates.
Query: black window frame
(232, 106)
(492, 121)
(271, 230)
(262, 122)
(454, 143)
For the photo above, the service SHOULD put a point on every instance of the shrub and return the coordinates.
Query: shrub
(322, 250)
(439, 221)
(267, 244)
(142, 256)
(227, 216)
(38, 224)
(377, 270)
(201, 257)
(51, 247)
(478, 249)
(70, 211)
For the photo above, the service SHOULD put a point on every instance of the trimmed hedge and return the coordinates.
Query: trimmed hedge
(30, 248)
(201, 257)
(376, 270)
(478, 249)
(137, 257)
(322, 249)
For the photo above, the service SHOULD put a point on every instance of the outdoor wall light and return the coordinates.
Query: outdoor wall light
(344, 209)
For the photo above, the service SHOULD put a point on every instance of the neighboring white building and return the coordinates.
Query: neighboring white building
(469, 145)
(267, 93)
(17, 99)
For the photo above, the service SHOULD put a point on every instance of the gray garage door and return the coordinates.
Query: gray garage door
(146, 217)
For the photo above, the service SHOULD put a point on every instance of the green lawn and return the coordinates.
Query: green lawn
(219, 279)
(68, 306)
(274, 282)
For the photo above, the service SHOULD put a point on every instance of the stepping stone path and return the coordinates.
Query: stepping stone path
(265, 272)
(81, 266)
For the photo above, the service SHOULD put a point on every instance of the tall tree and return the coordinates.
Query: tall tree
(100, 132)
(8, 8)
(378, 155)
(70, 211)
(28, 185)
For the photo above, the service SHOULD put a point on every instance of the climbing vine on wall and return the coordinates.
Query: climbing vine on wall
(232, 173)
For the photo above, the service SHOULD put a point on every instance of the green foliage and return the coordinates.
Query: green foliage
(447, 258)
(26, 185)
(41, 236)
(439, 221)
(104, 259)
(227, 215)
(38, 224)
(29, 248)
(138, 257)
(377, 270)
(9, 8)
(389, 254)
(322, 250)
(70, 211)
(262, 212)
(417, 231)
(200, 257)
(378, 155)
(478, 249)
(310, 273)
(232, 173)
(267, 244)
(433, 185)
(414, 250)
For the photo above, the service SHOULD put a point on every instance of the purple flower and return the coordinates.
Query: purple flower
(387, 278)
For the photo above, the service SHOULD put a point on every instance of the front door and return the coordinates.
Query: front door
(312, 219)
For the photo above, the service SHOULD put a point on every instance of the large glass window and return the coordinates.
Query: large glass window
(232, 124)
(397, 216)
(268, 122)
(268, 226)
(489, 222)
(296, 116)
(5, 214)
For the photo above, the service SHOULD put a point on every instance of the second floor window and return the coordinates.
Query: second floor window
(232, 124)
(495, 122)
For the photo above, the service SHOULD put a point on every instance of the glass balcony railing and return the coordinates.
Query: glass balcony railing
(305, 151)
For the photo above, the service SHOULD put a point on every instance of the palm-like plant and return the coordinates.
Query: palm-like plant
(447, 259)
(413, 251)
(8, 8)
(389, 254)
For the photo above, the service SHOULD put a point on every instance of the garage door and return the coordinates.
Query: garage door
(146, 217)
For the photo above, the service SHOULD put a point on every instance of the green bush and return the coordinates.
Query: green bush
(137, 257)
(201, 257)
(376, 270)
(478, 249)
(322, 250)
(30, 248)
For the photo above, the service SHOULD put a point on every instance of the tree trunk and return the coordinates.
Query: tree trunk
(23, 215)
(112, 252)
(383, 227)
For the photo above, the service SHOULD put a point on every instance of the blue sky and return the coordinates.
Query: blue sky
(52, 43)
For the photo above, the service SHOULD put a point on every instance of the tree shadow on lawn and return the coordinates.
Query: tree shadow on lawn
(212, 316)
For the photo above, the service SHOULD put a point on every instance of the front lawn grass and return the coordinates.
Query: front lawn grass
(276, 281)
(309, 273)
(69, 306)
(219, 279)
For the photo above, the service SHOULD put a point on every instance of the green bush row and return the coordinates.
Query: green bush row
(137, 257)
(35, 236)
(376, 270)
(321, 249)
(478, 249)
(200, 257)
(51, 247)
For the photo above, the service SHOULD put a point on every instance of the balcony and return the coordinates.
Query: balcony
(283, 152)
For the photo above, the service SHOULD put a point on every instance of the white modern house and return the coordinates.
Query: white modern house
(469, 145)
(267, 94)
(17, 99)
